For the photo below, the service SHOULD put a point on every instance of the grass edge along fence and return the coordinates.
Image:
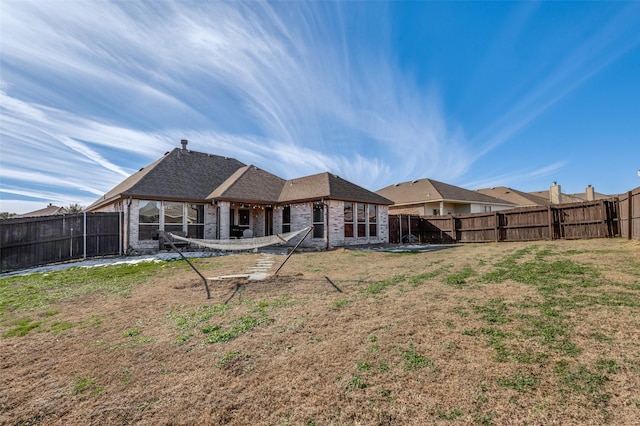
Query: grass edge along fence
(617, 216)
(34, 241)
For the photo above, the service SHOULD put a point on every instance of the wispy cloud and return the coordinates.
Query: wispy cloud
(272, 88)
(579, 63)
(92, 91)
(515, 180)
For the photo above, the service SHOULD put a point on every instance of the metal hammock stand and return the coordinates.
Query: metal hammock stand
(239, 244)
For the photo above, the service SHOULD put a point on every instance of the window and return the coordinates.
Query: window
(348, 220)
(486, 208)
(286, 219)
(195, 220)
(363, 222)
(361, 217)
(149, 220)
(373, 220)
(173, 217)
(318, 220)
(243, 217)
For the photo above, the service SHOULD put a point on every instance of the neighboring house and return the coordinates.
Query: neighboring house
(212, 197)
(519, 198)
(426, 197)
(556, 196)
(47, 211)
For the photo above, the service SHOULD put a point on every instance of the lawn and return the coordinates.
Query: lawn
(510, 333)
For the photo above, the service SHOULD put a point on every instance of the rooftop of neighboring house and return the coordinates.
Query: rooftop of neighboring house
(429, 190)
(519, 198)
(588, 195)
(47, 211)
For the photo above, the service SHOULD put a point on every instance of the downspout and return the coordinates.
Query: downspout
(215, 203)
(326, 226)
(128, 224)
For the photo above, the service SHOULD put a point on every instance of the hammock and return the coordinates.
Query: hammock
(242, 243)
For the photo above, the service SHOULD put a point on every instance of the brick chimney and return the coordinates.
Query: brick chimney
(184, 143)
(591, 193)
(555, 196)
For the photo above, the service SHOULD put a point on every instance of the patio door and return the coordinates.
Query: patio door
(268, 221)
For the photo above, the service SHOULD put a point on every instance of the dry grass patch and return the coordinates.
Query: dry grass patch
(523, 333)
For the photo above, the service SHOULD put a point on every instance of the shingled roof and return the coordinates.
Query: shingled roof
(328, 186)
(522, 199)
(429, 190)
(47, 211)
(249, 184)
(180, 174)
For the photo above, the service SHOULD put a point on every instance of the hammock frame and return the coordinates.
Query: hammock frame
(281, 239)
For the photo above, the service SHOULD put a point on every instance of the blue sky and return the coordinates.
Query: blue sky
(476, 94)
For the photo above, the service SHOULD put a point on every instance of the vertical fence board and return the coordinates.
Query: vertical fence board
(33, 241)
(591, 219)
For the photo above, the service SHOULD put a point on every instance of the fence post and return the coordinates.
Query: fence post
(629, 215)
(84, 235)
(454, 234)
(497, 225)
(550, 222)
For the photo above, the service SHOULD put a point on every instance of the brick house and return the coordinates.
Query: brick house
(212, 197)
(427, 197)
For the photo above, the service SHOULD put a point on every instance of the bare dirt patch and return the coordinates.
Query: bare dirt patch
(523, 333)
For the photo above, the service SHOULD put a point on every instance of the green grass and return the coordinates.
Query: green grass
(377, 287)
(413, 360)
(239, 327)
(37, 291)
(459, 279)
(21, 328)
(192, 319)
(520, 382)
(86, 385)
(230, 358)
(356, 382)
(579, 379)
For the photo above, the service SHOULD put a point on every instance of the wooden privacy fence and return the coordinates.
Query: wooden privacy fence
(593, 219)
(33, 241)
(629, 211)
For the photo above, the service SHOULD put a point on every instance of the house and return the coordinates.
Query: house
(426, 197)
(47, 211)
(212, 197)
(519, 198)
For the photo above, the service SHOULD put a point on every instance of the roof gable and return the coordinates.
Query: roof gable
(520, 198)
(429, 190)
(328, 186)
(249, 184)
(179, 174)
(50, 210)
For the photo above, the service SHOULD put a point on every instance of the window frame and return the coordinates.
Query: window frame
(361, 222)
(318, 225)
(286, 219)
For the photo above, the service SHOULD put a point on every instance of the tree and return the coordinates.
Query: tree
(7, 215)
(74, 208)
